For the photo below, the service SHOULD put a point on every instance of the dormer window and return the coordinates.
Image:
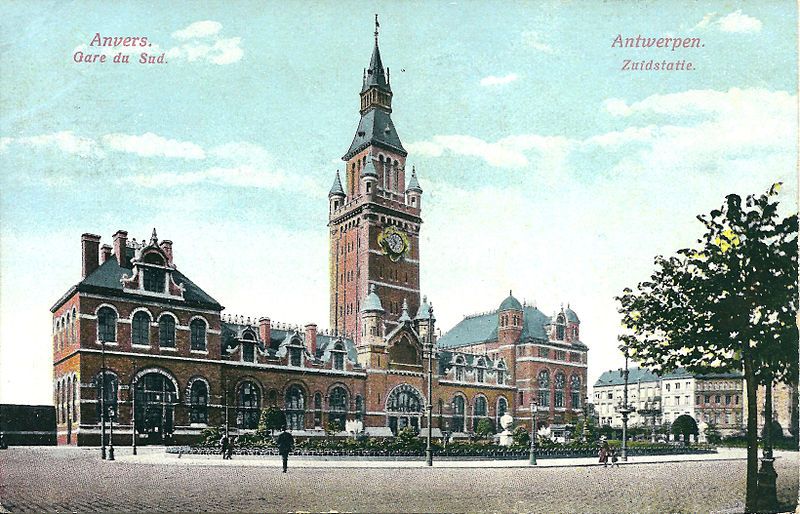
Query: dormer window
(249, 347)
(560, 327)
(154, 280)
(338, 356)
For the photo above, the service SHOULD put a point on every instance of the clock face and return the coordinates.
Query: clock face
(394, 243)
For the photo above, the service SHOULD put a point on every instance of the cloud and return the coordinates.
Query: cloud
(492, 80)
(65, 141)
(508, 152)
(202, 42)
(533, 40)
(198, 29)
(735, 22)
(152, 145)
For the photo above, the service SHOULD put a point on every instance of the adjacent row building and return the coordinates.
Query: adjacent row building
(710, 399)
(168, 361)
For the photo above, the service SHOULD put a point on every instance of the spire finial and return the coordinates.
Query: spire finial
(377, 25)
(509, 293)
(154, 237)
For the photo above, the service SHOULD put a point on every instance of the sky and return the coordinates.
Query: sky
(546, 168)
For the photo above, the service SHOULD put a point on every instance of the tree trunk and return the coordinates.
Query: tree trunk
(752, 434)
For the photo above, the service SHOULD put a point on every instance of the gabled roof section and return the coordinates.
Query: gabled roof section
(107, 279)
(375, 128)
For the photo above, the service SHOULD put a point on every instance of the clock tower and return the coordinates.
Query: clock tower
(374, 218)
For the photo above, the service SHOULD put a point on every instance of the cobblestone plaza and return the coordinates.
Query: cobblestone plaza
(76, 480)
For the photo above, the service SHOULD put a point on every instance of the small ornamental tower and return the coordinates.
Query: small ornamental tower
(421, 320)
(573, 325)
(509, 319)
(336, 196)
(369, 176)
(413, 191)
(371, 344)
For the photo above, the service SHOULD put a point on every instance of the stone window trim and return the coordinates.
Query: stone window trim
(97, 318)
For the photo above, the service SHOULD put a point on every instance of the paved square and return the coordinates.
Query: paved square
(72, 479)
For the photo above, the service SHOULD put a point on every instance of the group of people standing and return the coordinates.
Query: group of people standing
(608, 452)
(284, 441)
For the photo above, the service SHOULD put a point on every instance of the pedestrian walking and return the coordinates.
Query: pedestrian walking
(604, 450)
(223, 446)
(285, 445)
(231, 445)
(614, 458)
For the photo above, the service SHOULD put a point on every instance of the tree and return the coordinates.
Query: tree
(484, 428)
(713, 435)
(271, 419)
(521, 436)
(684, 425)
(729, 304)
(776, 432)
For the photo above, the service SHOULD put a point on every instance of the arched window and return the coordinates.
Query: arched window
(544, 388)
(166, 331)
(459, 368)
(140, 331)
(56, 333)
(74, 323)
(502, 408)
(338, 356)
(458, 414)
(575, 390)
(198, 334)
(199, 402)
(501, 373)
(481, 370)
(60, 402)
(296, 354)
(359, 408)
(106, 324)
(337, 404)
(295, 405)
(317, 410)
(74, 393)
(247, 408)
(68, 328)
(559, 393)
(480, 411)
(110, 394)
(560, 327)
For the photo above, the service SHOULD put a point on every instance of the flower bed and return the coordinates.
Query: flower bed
(453, 450)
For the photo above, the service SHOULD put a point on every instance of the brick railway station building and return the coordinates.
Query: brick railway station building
(176, 364)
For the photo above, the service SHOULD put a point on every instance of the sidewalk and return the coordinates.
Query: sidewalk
(274, 461)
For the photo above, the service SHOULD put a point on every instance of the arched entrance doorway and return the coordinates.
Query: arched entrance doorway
(404, 408)
(155, 407)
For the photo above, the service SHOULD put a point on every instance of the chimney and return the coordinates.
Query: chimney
(264, 327)
(120, 242)
(90, 245)
(311, 339)
(105, 253)
(166, 246)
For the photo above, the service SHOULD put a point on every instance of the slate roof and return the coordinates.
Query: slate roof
(637, 374)
(372, 129)
(413, 184)
(571, 315)
(336, 188)
(372, 303)
(510, 303)
(375, 75)
(613, 377)
(106, 279)
(483, 327)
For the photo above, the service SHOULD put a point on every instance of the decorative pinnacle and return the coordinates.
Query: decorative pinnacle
(154, 237)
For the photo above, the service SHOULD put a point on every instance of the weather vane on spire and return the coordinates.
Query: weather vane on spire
(377, 25)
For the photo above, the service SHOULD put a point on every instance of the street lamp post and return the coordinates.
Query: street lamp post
(534, 412)
(225, 401)
(111, 415)
(133, 411)
(625, 410)
(767, 492)
(103, 398)
(429, 346)
(585, 419)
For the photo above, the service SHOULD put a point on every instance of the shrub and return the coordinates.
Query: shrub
(520, 436)
(484, 428)
(271, 419)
